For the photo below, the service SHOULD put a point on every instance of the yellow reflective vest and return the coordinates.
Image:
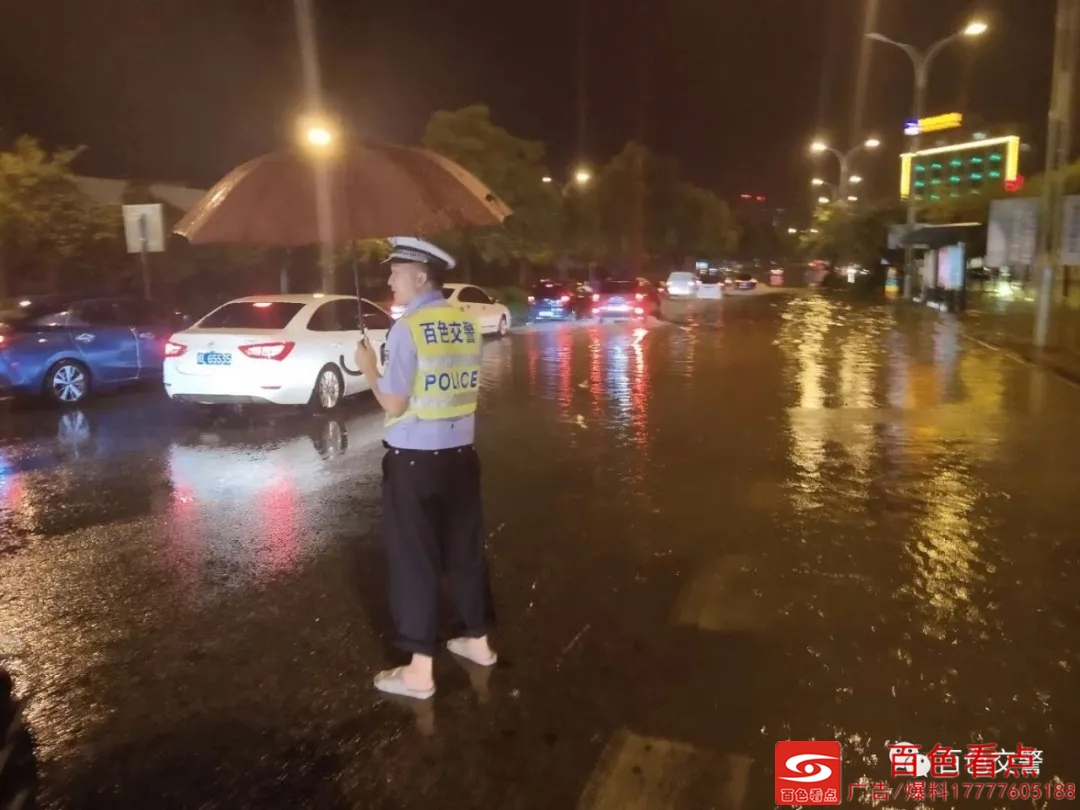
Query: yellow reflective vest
(447, 381)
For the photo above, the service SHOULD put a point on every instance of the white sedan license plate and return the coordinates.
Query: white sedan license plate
(213, 359)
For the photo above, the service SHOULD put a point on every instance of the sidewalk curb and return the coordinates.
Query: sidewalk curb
(1028, 359)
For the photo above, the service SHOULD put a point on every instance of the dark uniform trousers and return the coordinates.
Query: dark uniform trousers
(433, 525)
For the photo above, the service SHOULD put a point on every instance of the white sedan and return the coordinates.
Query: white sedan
(281, 349)
(494, 317)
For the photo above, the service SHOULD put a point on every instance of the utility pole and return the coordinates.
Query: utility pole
(1058, 149)
(582, 79)
(574, 208)
(862, 73)
(637, 237)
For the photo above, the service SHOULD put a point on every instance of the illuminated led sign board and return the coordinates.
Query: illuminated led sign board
(960, 169)
(935, 123)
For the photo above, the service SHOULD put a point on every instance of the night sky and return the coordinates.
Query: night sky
(182, 90)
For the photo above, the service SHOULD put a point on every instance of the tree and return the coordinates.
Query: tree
(44, 216)
(706, 226)
(845, 233)
(644, 206)
(514, 169)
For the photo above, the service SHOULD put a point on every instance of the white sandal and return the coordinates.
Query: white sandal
(460, 646)
(391, 682)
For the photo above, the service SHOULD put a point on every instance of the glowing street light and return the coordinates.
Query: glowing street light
(817, 181)
(823, 200)
(852, 198)
(872, 143)
(792, 230)
(818, 146)
(976, 28)
(545, 179)
(319, 136)
(317, 133)
(582, 177)
(855, 179)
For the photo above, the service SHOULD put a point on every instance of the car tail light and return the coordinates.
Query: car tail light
(596, 297)
(565, 299)
(639, 311)
(268, 351)
(174, 349)
(6, 339)
(640, 296)
(532, 299)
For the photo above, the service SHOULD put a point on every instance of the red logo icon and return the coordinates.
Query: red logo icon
(808, 772)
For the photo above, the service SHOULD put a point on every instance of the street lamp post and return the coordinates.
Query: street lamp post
(845, 159)
(580, 180)
(318, 137)
(921, 61)
(817, 182)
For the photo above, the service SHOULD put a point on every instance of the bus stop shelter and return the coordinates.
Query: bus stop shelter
(942, 270)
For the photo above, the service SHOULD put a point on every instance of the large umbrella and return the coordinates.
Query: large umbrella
(371, 191)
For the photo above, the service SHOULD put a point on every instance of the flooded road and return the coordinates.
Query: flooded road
(775, 518)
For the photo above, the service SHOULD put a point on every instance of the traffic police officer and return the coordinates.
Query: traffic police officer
(431, 473)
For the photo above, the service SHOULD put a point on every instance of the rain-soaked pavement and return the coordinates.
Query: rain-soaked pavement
(779, 518)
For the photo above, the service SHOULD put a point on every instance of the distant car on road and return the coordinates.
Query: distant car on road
(494, 317)
(617, 299)
(710, 285)
(681, 284)
(559, 301)
(280, 349)
(68, 348)
(744, 281)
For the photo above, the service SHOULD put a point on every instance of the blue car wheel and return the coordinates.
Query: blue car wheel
(67, 382)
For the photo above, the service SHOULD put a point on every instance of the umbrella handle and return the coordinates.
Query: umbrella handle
(359, 300)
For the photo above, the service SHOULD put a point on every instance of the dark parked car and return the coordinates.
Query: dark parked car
(745, 281)
(559, 301)
(618, 299)
(65, 348)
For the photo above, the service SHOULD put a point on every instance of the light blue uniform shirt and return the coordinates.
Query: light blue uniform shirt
(410, 433)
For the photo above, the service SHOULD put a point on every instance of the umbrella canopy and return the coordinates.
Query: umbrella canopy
(373, 191)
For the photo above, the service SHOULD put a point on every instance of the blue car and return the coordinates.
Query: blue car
(66, 349)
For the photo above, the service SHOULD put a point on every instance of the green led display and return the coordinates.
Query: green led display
(957, 175)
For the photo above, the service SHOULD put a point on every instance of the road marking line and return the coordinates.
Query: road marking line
(719, 598)
(651, 773)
